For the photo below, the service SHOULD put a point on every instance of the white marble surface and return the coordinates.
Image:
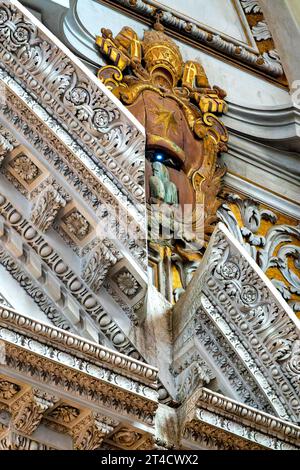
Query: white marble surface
(243, 88)
(64, 3)
(221, 15)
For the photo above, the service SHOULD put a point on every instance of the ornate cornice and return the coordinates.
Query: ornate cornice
(65, 275)
(50, 139)
(265, 62)
(85, 135)
(212, 420)
(72, 386)
(73, 97)
(118, 394)
(87, 376)
(230, 297)
(98, 375)
(249, 416)
(105, 357)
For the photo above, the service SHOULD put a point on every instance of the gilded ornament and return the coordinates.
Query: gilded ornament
(179, 109)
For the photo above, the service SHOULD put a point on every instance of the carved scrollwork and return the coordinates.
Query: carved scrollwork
(276, 249)
(247, 302)
(15, 31)
(175, 91)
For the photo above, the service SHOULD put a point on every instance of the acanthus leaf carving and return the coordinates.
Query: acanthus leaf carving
(250, 6)
(28, 410)
(261, 31)
(46, 208)
(88, 434)
(100, 260)
(7, 142)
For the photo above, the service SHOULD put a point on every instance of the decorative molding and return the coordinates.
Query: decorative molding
(77, 289)
(77, 101)
(127, 438)
(91, 377)
(225, 363)
(127, 283)
(230, 297)
(86, 429)
(276, 249)
(101, 196)
(190, 30)
(51, 335)
(212, 420)
(236, 336)
(191, 373)
(25, 168)
(108, 379)
(29, 409)
(77, 224)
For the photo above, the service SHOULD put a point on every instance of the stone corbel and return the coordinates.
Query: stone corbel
(7, 143)
(28, 410)
(100, 260)
(191, 375)
(46, 208)
(89, 433)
